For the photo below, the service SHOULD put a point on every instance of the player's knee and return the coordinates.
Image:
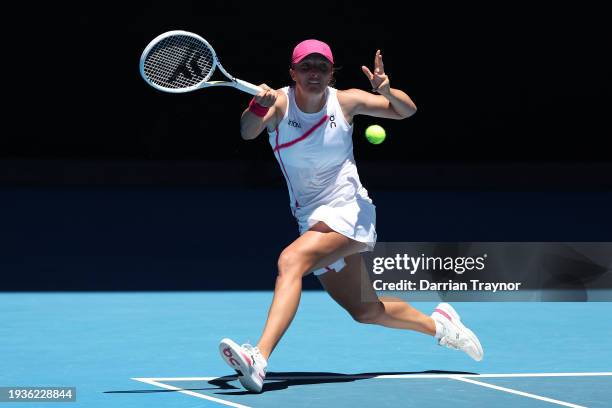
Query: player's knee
(288, 264)
(368, 315)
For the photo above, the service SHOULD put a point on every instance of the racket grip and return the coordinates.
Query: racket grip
(247, 87)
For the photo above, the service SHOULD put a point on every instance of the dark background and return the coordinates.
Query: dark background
(503, 83)
(108, 184)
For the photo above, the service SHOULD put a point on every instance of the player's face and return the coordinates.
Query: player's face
(312, 74)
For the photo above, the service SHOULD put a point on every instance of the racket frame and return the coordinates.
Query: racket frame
(205, 83)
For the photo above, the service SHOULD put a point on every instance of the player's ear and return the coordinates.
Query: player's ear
(292, 73)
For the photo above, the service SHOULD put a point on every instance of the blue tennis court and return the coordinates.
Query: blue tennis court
(159, 349)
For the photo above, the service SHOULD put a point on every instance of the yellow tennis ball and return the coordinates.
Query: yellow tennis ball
(375, 134)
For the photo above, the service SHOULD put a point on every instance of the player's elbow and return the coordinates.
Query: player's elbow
(248, 132)
(407, 112)
(246, 135)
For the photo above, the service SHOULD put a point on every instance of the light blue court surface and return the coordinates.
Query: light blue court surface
(160, 350)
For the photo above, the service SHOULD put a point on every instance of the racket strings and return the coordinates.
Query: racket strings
(179, 61)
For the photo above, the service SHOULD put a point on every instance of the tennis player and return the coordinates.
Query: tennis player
(310, 127)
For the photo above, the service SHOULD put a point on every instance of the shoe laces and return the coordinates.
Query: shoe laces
(254, 351)
(450, 338)
(450, 342)
(453, 340)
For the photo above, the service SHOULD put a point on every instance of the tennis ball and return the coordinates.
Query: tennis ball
(375, 134)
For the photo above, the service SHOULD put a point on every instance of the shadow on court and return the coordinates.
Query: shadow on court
(281, 381)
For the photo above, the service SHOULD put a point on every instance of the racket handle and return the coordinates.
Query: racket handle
(247, 87)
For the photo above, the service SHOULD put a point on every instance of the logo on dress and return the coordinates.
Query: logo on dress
(332, 124)
(294, 124)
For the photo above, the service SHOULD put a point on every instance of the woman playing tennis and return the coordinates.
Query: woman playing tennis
(310, 127)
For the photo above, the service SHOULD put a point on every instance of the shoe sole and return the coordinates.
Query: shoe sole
(457, 322)
(234, 357)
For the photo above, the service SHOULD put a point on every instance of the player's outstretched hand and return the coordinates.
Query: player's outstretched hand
(378, 79)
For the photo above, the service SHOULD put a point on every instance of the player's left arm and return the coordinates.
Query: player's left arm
(390, 103)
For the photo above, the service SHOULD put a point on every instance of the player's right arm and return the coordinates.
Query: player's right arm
(251, 124)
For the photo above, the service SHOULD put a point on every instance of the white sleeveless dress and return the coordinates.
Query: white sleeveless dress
(315, 154)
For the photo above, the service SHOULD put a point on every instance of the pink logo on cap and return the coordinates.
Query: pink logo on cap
(307, 47)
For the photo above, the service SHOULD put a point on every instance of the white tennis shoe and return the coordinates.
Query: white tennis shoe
(453, 334)
(247, 361)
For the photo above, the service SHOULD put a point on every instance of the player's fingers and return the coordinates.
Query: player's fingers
(377, 61)
(381, 66)
(268, 98)
(264, 88)
(261, 97)
(271, 97)
(381, 77)
(367, 72)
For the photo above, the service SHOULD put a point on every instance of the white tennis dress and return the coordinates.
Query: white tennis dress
(315, 154)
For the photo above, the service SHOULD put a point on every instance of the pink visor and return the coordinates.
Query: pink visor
(307, 47)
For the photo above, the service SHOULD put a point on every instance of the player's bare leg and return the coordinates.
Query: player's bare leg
(351, 289)
(318, 247)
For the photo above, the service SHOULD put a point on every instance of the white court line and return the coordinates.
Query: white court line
(391, 376)
(459, 377)
(193, 394)
(524, 394)
(496, 375)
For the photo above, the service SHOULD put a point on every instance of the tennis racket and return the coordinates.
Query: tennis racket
(180, 61)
